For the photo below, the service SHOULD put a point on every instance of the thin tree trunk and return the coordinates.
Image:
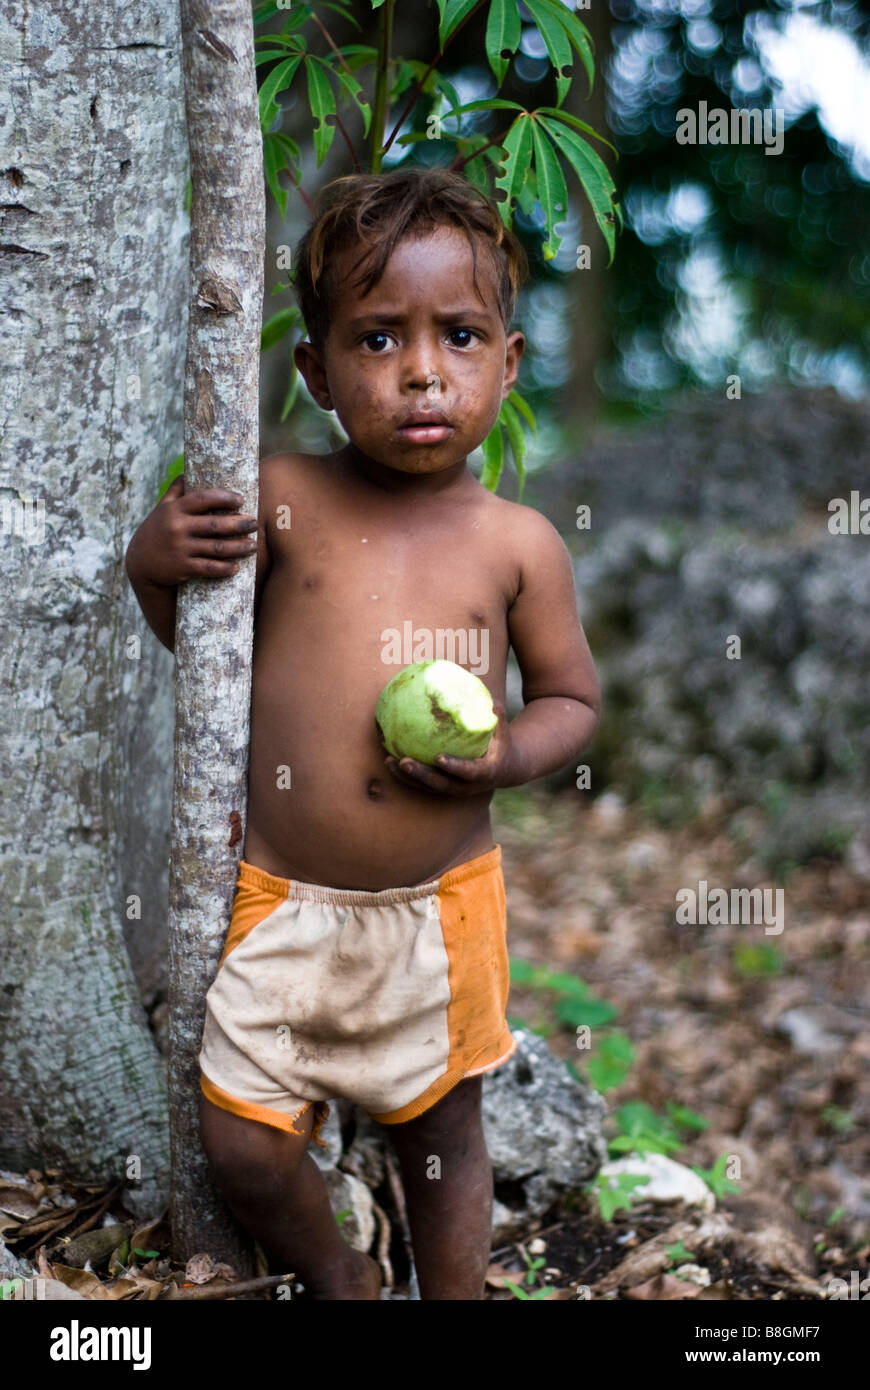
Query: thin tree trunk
(92, 226)
(215, 618)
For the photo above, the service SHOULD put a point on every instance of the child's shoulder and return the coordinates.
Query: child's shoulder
(517, 522)
(292, 466)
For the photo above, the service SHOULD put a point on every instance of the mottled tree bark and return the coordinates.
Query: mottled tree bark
(214, 626)
(93, 168)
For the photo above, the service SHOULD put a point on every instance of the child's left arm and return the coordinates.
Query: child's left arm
(561, 692)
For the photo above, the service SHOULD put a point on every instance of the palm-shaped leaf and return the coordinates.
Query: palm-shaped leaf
(503, 33)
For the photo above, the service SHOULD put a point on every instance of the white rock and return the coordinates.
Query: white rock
(668, 1181)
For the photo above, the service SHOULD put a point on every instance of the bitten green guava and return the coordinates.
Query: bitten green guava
(434, 707)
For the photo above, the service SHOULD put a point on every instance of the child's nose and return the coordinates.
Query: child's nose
(424, 369)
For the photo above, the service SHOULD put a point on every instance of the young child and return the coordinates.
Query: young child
(366, 957)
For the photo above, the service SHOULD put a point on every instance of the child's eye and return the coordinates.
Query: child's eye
(377, 341)
(467, 333)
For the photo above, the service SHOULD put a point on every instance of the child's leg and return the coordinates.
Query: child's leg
(276, 1191)
(450, 1215)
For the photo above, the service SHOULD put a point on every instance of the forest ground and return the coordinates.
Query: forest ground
(760, 1034)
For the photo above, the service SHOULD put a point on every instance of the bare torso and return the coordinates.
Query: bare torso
(355, 562)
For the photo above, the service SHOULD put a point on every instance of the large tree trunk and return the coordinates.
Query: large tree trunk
(93, 171)
(215, 620)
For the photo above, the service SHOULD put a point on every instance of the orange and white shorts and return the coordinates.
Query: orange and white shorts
(386, 999)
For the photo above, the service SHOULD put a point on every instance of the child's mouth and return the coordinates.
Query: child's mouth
(427, 427)
(426, 434)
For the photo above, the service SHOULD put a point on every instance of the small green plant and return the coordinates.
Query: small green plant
(530, 1278)
(575, 1003)
(146, 1254)
(843, 1121)
(715, 1177)
(609, 1067)
(678, 1254)
(757, 959)
(542, 1028)
(777, 796)
(341, 1216)
(615, 1192)
(641, 1130)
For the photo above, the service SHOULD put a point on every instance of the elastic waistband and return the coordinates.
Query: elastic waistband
(298, 891)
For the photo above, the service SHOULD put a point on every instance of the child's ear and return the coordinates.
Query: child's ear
(514, 350)
(310, 364)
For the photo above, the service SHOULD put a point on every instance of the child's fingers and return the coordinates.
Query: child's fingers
(201, 568)
(415, 774)
(218, 548)
(204, 499)
(219, 525)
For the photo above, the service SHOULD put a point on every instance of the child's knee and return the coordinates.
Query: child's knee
(452, 1122)
(243, 1151)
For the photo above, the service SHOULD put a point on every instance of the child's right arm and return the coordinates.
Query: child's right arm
(183, 539)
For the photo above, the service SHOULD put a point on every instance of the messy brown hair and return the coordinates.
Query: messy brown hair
(374, 212)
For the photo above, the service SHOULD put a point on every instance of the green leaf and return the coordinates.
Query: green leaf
(517, 1291)
(562, 115)
(274, 160)
(592, 173)
(452, 14)
(503, 33)
(146, 1254)
(511, 421)
(293, 19)
(616, 1193)
(715, 1177)
(487, 104)
(685, 1118)
(322, 100)
(292, 391)
(612, 1062)
(277, 327)
(678, 1253)
(356, 54)
(343, 10)
(269, 55)
(552, 192)
(294, 43)
(290, 146)
(277, 81)
(515, 165)
(579, 36)
(528, 194)
(449, 91)
(555, 37)
(264, 12)
(175, 469)
(353, 89)
(524, 408)
(576, 1012)
(493, 458)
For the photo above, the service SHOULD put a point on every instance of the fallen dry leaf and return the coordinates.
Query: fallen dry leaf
(497, 1276)
(663, 1288)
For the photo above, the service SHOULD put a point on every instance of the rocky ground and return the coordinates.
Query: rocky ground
(761, 1035)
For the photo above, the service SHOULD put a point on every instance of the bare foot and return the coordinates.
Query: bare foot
(360, 1280)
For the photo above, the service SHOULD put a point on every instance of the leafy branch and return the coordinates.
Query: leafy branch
(520, 167)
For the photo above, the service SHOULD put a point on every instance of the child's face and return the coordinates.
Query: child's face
(419, 346)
